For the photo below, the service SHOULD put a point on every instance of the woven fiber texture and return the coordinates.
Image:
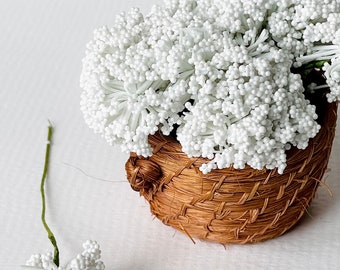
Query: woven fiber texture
(229, 205)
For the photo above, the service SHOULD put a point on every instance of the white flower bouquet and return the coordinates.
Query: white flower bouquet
(220, 72)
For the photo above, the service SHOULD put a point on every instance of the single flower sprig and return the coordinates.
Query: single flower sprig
(42, 191)
(88, 259)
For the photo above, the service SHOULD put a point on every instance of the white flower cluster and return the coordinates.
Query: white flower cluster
(220, 72)
(87, 260)
(323, 40)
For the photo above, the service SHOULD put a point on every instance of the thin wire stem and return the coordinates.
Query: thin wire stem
(42, 191)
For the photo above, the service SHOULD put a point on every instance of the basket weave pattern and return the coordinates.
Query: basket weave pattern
(229, 205)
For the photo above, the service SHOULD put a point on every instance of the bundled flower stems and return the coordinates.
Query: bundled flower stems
(228, 109)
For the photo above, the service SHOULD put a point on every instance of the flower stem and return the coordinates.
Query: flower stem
(42, 191)
(316, 64)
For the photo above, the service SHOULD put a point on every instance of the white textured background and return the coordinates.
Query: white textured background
(41, 47)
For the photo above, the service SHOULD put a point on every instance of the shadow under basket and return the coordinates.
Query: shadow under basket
(229, 205)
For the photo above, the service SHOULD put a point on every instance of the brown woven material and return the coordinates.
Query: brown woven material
(229, 205)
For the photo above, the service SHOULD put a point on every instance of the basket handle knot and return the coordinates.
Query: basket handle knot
(142, 173)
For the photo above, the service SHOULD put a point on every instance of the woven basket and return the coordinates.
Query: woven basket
(229, 205)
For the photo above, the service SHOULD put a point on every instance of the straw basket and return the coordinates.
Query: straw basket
(229, 205)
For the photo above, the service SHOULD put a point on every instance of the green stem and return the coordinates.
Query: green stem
(316, 64)
(42, 191)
